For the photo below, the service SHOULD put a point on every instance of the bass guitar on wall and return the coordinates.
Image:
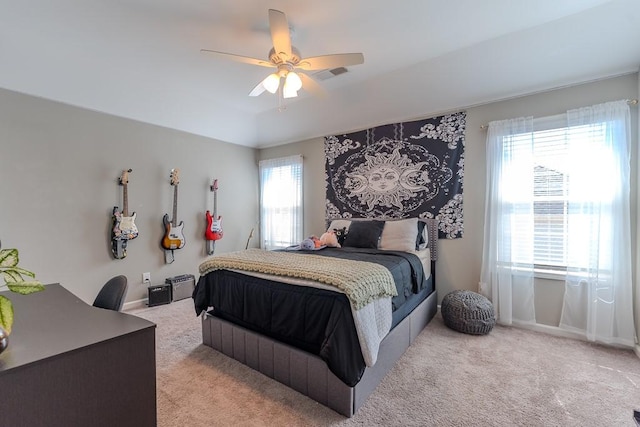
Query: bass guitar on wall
(173, 237)
(124, 227)
(214, 222)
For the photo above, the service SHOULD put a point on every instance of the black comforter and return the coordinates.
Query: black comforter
(315, 320)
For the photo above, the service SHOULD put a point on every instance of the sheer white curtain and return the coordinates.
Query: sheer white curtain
(507, 263)
(598, 288)
(280, 202)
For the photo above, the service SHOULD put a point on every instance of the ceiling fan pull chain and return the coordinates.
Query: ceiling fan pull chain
(281, 105)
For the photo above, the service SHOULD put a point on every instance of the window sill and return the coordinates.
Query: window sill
(542, 272)
(549, 274)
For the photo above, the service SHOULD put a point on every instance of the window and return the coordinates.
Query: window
(558, 202)
(554, 167)
(280, 202)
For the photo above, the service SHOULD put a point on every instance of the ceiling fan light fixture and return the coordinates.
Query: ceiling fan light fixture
(288, 92)
(272, 82)
(285, 58)
(293, 81)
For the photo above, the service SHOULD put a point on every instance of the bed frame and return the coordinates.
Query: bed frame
(308, 373)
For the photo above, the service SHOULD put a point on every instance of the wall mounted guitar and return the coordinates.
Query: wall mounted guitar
(124, 227)
(214, 222)
(173, 237)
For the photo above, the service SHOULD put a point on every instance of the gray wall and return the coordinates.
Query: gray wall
(58, 184)
(636, 180)
(460, 260)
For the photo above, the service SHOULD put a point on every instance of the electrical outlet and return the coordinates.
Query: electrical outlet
(146, 278)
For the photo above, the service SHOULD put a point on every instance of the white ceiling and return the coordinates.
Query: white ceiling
(141, 59)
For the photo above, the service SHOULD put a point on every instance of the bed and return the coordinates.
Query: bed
(302, 319)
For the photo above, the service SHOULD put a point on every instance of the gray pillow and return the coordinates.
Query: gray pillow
(364, 234)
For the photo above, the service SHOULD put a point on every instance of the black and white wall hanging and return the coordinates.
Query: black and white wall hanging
(401, 170)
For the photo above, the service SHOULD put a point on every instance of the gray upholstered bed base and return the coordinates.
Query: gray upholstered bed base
(307, 373)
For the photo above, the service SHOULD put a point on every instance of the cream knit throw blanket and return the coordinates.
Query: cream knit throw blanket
(362, 282)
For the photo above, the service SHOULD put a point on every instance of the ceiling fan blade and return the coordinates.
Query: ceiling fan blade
(311, 85)
(239, 58)
(280, 33)
(258, 90)
(327, 62)
(270, 83)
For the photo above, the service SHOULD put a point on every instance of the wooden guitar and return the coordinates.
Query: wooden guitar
(173, 237)
(213, 231)
(124, 227)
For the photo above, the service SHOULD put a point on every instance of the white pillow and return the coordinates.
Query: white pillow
(425, 237)
(399, 235)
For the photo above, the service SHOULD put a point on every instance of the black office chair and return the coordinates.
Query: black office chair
(111, 296)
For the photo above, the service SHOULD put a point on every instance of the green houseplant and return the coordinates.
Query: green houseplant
(14, 280)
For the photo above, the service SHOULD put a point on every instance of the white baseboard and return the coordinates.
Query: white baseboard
(551, 330)
(558, 332)
(131, 305)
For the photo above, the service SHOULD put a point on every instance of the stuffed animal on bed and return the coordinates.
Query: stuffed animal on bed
(330, 239)
(311, 243)
(308, 244)
(316, 241)
(341, 234)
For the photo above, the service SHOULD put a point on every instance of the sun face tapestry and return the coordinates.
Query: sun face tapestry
(401, 170)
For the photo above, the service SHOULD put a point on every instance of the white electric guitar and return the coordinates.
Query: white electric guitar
(126, 227)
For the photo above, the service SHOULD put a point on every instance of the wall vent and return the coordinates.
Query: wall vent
(328, 74)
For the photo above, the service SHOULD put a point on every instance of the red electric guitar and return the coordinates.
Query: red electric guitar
(214, 222)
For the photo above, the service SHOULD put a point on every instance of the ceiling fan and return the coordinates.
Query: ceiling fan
(289, 65)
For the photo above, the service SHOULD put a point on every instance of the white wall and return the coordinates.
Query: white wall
(59, 169)
(460, 260)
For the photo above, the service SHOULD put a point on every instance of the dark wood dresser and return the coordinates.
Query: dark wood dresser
(71, 364)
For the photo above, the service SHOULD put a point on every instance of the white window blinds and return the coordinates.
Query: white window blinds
(280, 202)
(558, 156)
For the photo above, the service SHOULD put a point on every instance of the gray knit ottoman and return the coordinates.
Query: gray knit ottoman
(468, 312)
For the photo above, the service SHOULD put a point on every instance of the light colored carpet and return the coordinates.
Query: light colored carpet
(511, 377)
